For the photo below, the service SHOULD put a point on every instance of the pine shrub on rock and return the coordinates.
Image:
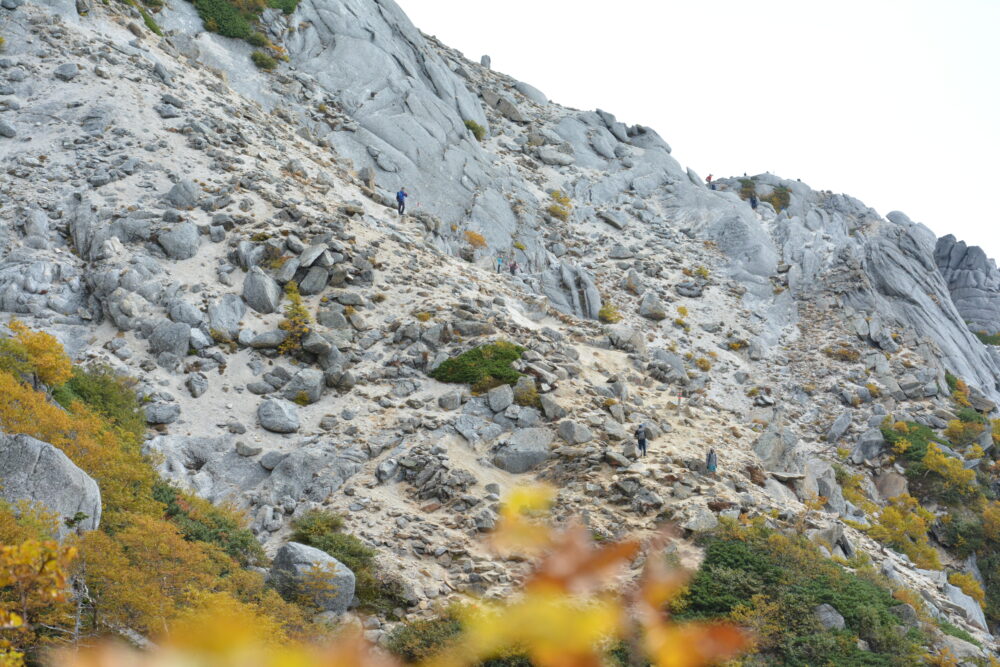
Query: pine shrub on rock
(478, 131)
(263, 61)
(483, 367)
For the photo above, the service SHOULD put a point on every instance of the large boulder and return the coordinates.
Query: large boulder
(821, 481)
(184, 194)
(500, 398)
(777, 448)
(967, 605)
(828, 617)
(173, 337)
(278, 416)
(306, 386)
(299, 571)
(224, 316)
(651, 307)
(180, 241)
(525, 450)
(572, 290)
(870, 445)
(37, 472)
(261, 292)
(574, 433)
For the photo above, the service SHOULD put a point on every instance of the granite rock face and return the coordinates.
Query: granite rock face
(973, 282)
(37, 472)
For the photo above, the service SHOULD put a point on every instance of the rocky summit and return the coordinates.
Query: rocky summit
(217, 219)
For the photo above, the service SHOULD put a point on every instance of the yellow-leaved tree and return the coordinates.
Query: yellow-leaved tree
(34, 353)
(903, 525)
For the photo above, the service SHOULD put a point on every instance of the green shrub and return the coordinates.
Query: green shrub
(418, 640)
(478, 131)
(779, 198)
(201, 521)
(842, 352)
(258, 39)
(988, 339)
(557, 211)
(263, 61)
(561, 205)
(286, 6)
(150, 22)
(223, 17)
(377, 592)
(970, 416)
(111, 396)
(528, 397)
(3, 43)
(297, 322)
(609, 314)
(956, 631)
(770, 583)
(952, 382)
(482, 366)
(747, 188)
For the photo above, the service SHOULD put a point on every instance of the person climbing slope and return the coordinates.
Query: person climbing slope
(401, 200)
(711, 462)
(640, 439)
(499, 263)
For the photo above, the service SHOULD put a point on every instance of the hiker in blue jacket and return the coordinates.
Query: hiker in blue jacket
(401, 200)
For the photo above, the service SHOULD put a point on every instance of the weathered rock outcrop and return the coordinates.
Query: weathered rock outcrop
(973, 282)
(36, 472)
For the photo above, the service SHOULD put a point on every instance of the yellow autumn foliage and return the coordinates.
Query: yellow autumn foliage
(952, 470)
(903, 525)
(34, 353)
(969, 585)
(963, 433)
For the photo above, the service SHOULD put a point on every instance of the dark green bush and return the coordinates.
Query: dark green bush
(377, 591)
(200, 521)
(988, 339)
(956, 631)
(258, 39)
(223, 17)
(483, 367)
(287, 6)
(111, 396)
(963, 532)
(970, 415)
(418, 640)
(150, 22)
(263, 61)
(477, 130)
(952, 381)
(747, 188)
(784, 578)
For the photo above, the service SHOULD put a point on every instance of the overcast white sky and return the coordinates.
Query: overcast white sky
(896, 102)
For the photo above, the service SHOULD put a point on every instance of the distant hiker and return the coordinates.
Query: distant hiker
(711, 462)
(513, 268)
(708, 180)
(753, 202)
(401, 200)
(499, 263)
(640, 439)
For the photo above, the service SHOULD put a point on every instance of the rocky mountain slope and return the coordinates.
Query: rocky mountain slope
(159, 193)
